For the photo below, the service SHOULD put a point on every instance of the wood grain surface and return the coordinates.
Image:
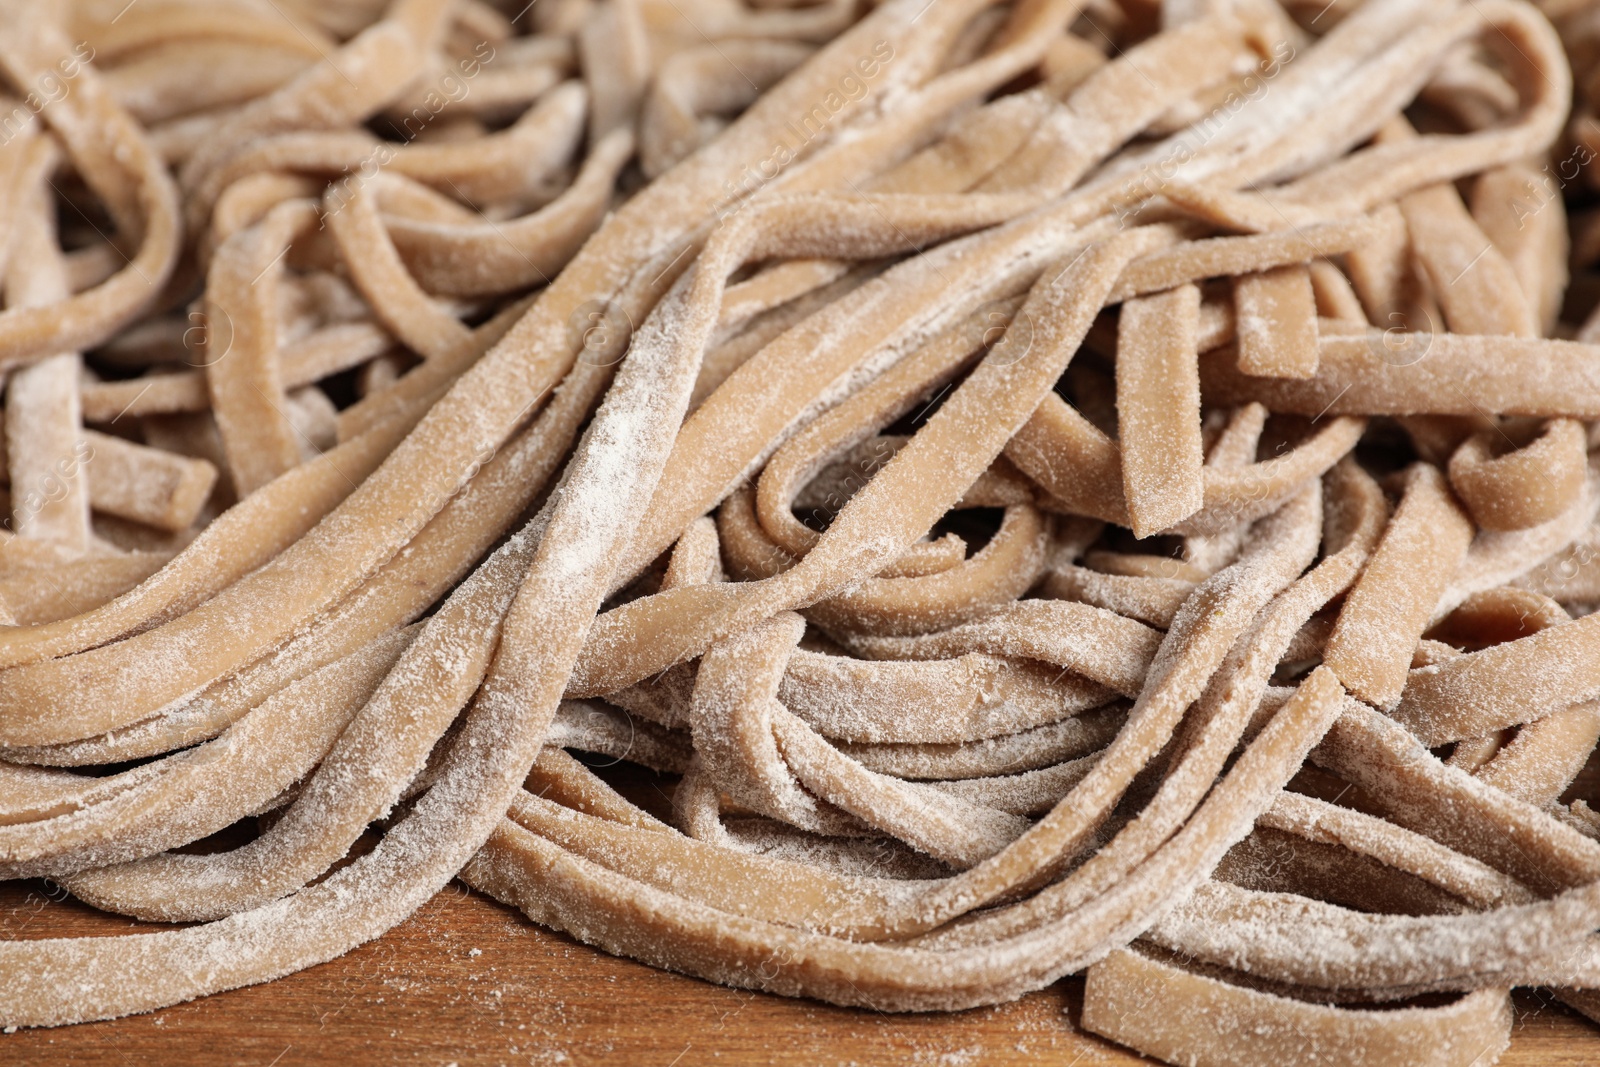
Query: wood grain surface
(467, 981)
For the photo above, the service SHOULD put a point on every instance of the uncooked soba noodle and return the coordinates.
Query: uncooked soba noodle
(1060, 486)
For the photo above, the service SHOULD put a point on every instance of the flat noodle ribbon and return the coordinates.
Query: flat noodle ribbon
(1047, 496)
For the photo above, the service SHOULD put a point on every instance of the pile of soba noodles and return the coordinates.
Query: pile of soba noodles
(1067, 486)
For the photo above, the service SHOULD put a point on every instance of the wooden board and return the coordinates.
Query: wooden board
(467, 981)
